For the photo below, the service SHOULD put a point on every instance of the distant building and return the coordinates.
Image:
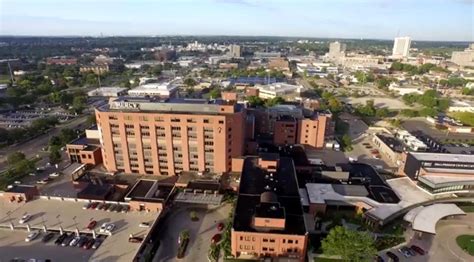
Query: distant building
(267, 54)
(461, 106)
(61, 60)
(337, 50)
(108, 91)
(163, 90)
(464, 58)
(268, 217)
(235, 51)
(280, 64)
(164, 55)
(97, 69)
(228, 66)
(86, 150)
(277, 89)
(401, 47)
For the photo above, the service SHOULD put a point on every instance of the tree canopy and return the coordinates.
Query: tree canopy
(350, 245)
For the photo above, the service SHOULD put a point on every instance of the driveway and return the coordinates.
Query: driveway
(200, 231)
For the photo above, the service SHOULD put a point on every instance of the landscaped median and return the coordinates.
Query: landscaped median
(466, 242)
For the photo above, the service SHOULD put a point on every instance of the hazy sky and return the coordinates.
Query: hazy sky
(447, 20)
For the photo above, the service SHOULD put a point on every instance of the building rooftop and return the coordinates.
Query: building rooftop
(424, 218)
(170, 105)
(279, 193)
(391, 142)
(439, 157)
(19, 188)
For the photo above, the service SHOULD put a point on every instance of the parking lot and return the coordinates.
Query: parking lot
(201, 231)
(70, 215)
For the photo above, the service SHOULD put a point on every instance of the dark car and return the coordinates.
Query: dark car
(135, 239)
(216, 238)
(97, 243)
(91, 225)
(378, 258)
(60, 239)
(220, 226)
(125, 209)
(418, 249)
(111, 208)
(46, 238)
(118, 208)
(392, 256)
(89, 244)
(67, 240)
(99, 206)
(105, 207)
(82, 241)
(94, 205)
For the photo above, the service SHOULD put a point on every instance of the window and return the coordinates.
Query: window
(127, 117)
(290, 241)
(175, 120)
(265, 240)
(113, 117)
(191, 120)
(272, 240)
(176, 128)
(221, 121)
(143, 118)
(129, 126)
(296, 241)
(159, 119)
(206, 121)
(284, 241)
(264, 248)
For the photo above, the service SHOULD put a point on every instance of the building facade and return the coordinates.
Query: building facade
(464, 58)
(166, 137)
(401, 47)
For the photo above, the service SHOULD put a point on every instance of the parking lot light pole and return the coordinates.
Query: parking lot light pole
(28, 228)
(94, 236)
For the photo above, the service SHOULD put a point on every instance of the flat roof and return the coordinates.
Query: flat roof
(424, 219)
(70, 214)
(440, 157)
(19, 188)
(255, 181)
(141, 188)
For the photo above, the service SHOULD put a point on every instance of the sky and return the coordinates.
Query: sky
(440, 20)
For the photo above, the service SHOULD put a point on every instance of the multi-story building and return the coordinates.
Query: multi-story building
(464, 58)
(166, 137)
(166, 89)
(337, 50)
(61, 60)
(401, 47)
(234, 51)
(97, 69)
(268, 218)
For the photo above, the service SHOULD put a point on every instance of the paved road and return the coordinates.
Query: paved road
(33, 147)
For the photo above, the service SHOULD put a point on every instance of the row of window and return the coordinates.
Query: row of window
(162, 119)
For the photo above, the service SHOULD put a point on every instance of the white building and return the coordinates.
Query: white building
(461, 106)
(464, 58)
(234, 51)
(411, 141)
(277, 89)
(166, 89)
(108, 91)
(336, 51)
(401, 47)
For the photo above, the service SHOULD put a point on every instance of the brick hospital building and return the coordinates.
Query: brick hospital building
(166, 137)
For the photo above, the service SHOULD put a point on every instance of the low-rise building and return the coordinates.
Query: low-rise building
(97, 69)
(108, 91)
(165, 90)
(277, 89)
(268, 218)
(86, 150)
(61, 60)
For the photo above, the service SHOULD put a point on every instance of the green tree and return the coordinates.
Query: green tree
(15, 158)
(190, 82)
(54, 154)
(274, 101)
(382, 83)
(67, 135)
(255, 101)
(79, 104)
(382, 112)
(91, 120)
(215, 93)
(334, 105)
(346, 142)
(350, 245)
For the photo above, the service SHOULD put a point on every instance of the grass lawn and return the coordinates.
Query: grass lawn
(468, 209)
(466, 242)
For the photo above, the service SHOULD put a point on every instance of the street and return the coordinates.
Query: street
(34, 146)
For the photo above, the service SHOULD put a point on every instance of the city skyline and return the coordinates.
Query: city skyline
(341, 19)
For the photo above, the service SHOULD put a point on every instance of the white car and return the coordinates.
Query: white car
(31, 236)
(74, 241)
(24, 219)
(110, 227)
(55, 174)
(144, 224)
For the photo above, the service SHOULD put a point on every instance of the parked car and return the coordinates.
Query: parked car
(392, 256)
(89, 244)
(135, 239)
(91, 225)
(105, 207)
(87, 206)
(25, 218)
(82, 241)
(110, 227)
(378, 258)
(405, 251)
(55, 174)
(103, 227)
(99, 206)
(74, 241)
(144, 224)
(112, 208)
(125, 209)
(67, 240)
(216, 238)
(60, 239)
(31, 236)
(220, 226)
(94, 205)
(97, 243)
(118, 208)
(47, 237)
(418, 249)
